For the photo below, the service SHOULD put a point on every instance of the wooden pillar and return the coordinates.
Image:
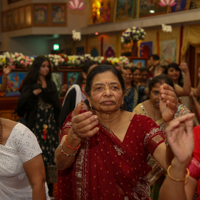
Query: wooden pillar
(181, 42)
(101, 46)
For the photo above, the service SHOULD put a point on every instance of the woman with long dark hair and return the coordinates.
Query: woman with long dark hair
(183, 87)
(174, 71)
(39, 104)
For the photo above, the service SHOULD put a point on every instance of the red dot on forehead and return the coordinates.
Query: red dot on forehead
(106, 82)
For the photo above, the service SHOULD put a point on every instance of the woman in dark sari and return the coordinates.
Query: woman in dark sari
(103, 152)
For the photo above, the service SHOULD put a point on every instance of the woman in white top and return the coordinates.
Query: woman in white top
(22, 173)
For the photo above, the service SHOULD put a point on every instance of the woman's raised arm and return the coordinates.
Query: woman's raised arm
(182, 145)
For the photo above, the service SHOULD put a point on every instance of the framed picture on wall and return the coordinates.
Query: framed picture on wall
(168, 50)
(61, 76)
(15, 16)
(9, 20)
(150, 8)
(180, 6)
(14, 81)
(22, 17)
(72, 78)
(4, 21)
(58, 14)
(28, 17)
(102, 12)
(40, 14)
(146, 49)
(124, 10)
(139, 62)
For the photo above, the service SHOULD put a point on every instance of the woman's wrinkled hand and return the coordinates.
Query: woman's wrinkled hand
(168, 102)
(181, 141)
(84, 124)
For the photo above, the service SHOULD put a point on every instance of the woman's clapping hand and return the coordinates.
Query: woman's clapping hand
(168, 102)
(181, 141)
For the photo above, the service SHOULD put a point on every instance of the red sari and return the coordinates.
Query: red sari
(194, 166)
(106, 168)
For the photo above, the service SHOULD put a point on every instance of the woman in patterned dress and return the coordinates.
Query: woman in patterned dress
(39, 104)
(150, 108)
(103, 152)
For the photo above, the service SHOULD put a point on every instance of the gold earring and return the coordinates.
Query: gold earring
(90, 105)
(122, 102)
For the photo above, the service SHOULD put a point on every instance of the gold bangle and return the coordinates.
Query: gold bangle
(178, 180)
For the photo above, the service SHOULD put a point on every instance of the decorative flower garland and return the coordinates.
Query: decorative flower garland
(18, 59)
(134, 34)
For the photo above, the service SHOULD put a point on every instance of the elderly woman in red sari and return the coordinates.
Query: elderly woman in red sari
(103, 152)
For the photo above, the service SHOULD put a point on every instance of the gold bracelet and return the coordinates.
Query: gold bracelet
(178, 180)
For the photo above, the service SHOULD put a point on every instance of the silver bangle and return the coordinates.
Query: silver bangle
(65, 154)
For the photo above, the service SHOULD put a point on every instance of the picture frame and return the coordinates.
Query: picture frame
(72, 78)
(181, 5)
(15, 17)
(14, 81)
(59, 14)
(4, 26)
(61, 75)
(146, 49)
(139, 62)
(102, 12)
(145, 6)
(124, 10)
(168, 49)
(40, 14)
(28, 14)
(21, 17)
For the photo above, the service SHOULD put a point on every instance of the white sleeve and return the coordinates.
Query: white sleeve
(25, 142)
